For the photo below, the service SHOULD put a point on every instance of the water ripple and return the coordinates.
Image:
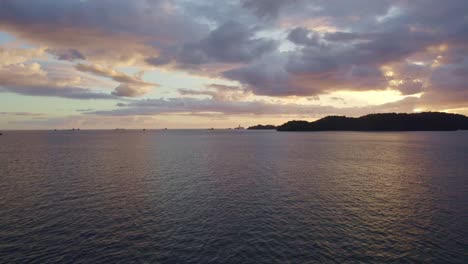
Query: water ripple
(233, 197)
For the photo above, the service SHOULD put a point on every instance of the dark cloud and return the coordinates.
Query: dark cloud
(301, 75)
(353, 60)
(266, 77)
(130, 90)
(67, 54)
(231, 42)
(113, 16)
(303, 36)
(353, 8)
(139, 27)
(449, 86)
(234, 42)
(159, 61)
(410, 87)
(267, 8)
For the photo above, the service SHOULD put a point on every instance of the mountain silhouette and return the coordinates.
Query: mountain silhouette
(262, 127)
(427, 121)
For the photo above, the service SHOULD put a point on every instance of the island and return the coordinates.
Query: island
(262, 127)
(426, 121)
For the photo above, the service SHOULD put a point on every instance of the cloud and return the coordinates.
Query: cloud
(21, 114)
(231, 42)
(67, 54)
(130, 86)
(218, 92)
(84, 110)
(260, 108)
(354, 59)
(266, 8)
(14, 55)
(139, 27)
(449, 86)
(63, 92)
(131, 90)
(82, 121)
(314, 68)
(275, 48)
(410, 87)
(19, 76)
(304, 37)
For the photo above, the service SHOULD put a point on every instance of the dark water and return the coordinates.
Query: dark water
(233, 197)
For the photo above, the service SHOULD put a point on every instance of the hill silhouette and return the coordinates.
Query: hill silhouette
(262, 127)
(427, 121)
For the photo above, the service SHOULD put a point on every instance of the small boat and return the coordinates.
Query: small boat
(210, 128)
(1, 133)
(239, 127)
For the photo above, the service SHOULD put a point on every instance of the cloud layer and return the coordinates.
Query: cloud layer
(264, 48)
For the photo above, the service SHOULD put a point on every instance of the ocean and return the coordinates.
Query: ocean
(230, 196)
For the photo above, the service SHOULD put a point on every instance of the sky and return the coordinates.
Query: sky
(154, 64)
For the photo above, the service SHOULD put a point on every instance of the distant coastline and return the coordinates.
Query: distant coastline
(427, 121)
(262, 127)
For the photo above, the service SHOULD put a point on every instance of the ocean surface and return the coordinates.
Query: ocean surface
(200, 196)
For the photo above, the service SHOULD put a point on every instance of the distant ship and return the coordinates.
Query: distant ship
(239, 127)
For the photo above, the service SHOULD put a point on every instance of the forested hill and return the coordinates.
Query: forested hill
(427, 121)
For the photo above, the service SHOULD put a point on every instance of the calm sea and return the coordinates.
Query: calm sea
(233, 197)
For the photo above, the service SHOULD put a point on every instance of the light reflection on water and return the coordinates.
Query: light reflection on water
(233, 197)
